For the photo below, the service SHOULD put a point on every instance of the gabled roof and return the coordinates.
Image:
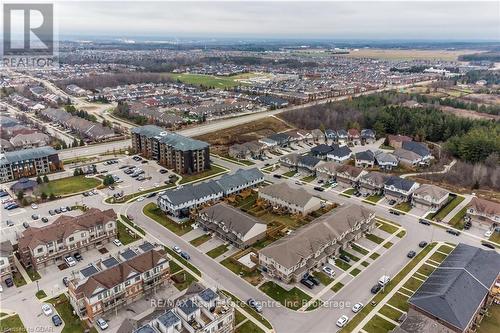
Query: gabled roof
(416, 147)
(321, 149)
(340, 151)
(367, 133)
(366, 155)
(400, 183)
(457, 288)
(406, 155)
(435, 192)
(374, 177)
(485, 206)
(308, 160)
(234, 219)
(283, 191)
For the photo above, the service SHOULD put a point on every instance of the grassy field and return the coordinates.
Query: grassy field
(40, 294)
(12, 324)
(69, 185)
(359, 249)
(212, 172)
(387, 227)
(72, 324)
(342, 264)
(248, 327)
(151, 210)
(448, 208)
(409, 54)
(219, 250)
(457, 221)
(293, 299)
(390, 312)
(253, 277)
(378, 324)
(290, 173)
(200, 240)
(221, 82)
(132, 224)
(323, 278)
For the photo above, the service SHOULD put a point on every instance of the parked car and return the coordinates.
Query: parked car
(185, 255)
(328, 271)
(63, 209)
(9, 282)
(34, 206)
(422, 244)
(46, 309)
(103, 324)
(307, 283)
(488, 233)
(394, 212)
(356, 307)
(65, 281)
(9, 223)
(57, 320)
(150, 195)
(78, 256)
(313, 280)
(70, 261)
(45, 220)
(424, 222)
(163, 171)
(255, 305)
(488, 245)
(26, 225)
(392, 202)
(35, 217)
(117, 242)
(58, 210)
(376, 288)
(276, 176)
(139, 199)
(411, 254)
(453, 232)
(342, 321)
(319, 188)
(177, 249)
(345, 258)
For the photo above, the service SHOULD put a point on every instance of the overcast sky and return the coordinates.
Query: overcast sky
(459, 20)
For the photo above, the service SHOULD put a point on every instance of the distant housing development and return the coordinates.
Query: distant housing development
(174, 151)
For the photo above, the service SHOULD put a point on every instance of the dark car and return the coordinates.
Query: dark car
(78, 256)
(185, 255)
(26, 225)
(425, 222)
(35, 216)
(150, 195)
(392, 202)
(162, 171)
(277, 176)
(358, 194)
(9, 282)
(68, 208)
(319, 188)
(56, 320)
(395, 212)
(51, 212)
(453, 232)
(376, 288)
(45, 220)
(422, 244)
(345, 258)
(307, 283)
(488, 245)
(58, 210)
(411, 254)
(65, 281)
(313, 280)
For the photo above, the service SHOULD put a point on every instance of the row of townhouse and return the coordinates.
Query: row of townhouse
(308, 248)
(94, 292)
(85, 128)
(7, 263)
(157, 116)
(25, 104)
(293, 200)
(29, 162)
(174, 151)
(484, 213)
(40, 247)
(180, 201)
(205, 311)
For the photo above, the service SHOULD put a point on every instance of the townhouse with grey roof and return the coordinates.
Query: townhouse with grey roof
(399, 189)
(308, 248)
(483, 213)
(430, 197)
(372, 183)
(294, 200)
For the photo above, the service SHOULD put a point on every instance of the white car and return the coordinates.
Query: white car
(177, 249)
(342, 321)
(1, 289)
(47, 310)
(488, 233)
(103, 324)
(70, 261)
(117, 242)
(356, 307)
(139, 199)
(34, 206)
(329, 271)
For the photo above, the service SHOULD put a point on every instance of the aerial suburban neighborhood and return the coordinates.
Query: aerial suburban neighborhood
(159, 177)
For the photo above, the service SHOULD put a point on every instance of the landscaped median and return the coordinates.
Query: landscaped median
(356, 320)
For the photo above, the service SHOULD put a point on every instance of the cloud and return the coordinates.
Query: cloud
(370, 20)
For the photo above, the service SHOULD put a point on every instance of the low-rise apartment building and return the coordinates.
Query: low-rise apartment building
(294, 200)
(28, 163)
(43, 246)
(308, 248)
(430, 197)
(7, 264)
(106, 290)
(232, 225)
(182, 154)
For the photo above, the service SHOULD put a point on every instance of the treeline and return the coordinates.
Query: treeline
(493, 56)
(491, 77)
(470, 140)
(122, 110)
(80, 113)
(459, 104)
(98, 82)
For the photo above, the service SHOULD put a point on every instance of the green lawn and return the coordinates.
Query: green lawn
(212, 172)
(183, 261)
(403, 206)
(388, 245)
(219, 250)
(33, 274)
(174, 267)
(491, 322)
(72, 324)
(373, 199)
(69, 185)
(355, 271)
(132, 224)
(359, 249)
(124, 236)
(151, 210)
(446, 249)
(438, 257)
(365, 264)
(443, 212)
(323, 278)
(337, 286)
(401, 234)
(352, 256)
(348, 192)
(238, 317)
(290, 173)
(236, 161)
(426, 270)
(390, 312)
(18, 279)
(457, 221)
(374, 255)
(378, 325)
(374, 238)
(200, 240)
(248, 309)
(342, 264)
(186, 280)
(314, 305)
(248, 327)
(253, 277)
(495, 237)
(220, 82)
(40, 294)
(387, 227)
(12, 323)
(308, 179)
(293, 299)
(399, 301)
(412, 284)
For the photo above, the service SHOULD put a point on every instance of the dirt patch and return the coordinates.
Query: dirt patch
(468, 113)
(222, 140)
(489, 99)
